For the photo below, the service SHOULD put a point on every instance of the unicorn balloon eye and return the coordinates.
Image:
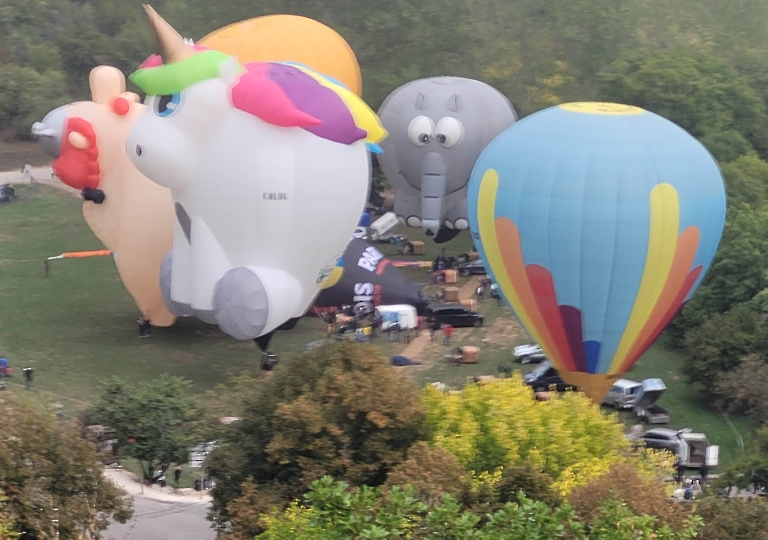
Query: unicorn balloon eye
(167, 104)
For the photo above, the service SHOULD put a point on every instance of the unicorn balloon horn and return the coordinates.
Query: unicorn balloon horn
(170, 45)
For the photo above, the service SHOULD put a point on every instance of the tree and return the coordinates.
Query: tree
(26, 96)
(500, 424)
(333, 511)
(743, 388)
(733, 518)
(746, 181)
(45, 465)
(155, 422)
(699, 92)
(339, 409)
(624, 484)
(433, 472)
(717, 345)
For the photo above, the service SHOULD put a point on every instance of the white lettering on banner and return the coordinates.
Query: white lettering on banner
(370, 259)
(363, 292)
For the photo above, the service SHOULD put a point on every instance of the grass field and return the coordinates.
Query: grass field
(77, 327)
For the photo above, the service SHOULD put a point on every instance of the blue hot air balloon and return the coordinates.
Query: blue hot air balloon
(597, 221)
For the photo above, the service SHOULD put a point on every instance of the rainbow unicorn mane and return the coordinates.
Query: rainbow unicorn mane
(280, 94)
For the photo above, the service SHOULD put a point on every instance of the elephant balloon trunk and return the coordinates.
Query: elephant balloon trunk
(433, 180)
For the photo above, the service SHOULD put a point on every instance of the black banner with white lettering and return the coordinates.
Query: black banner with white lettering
(369, 277)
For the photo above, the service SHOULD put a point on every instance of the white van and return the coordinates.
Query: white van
(401, 314)
(383, 225)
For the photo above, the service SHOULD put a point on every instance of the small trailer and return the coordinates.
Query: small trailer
(645, 408)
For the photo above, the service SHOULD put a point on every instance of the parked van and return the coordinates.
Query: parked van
(383, 225)
(623, 394)
(403, 315)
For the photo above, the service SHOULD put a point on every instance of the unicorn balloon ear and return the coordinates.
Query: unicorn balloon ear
(170, 45)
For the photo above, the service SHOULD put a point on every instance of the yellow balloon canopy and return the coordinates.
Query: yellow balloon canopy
(290, 38)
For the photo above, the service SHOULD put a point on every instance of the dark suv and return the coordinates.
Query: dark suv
(544, 377)
(455, 315)
(474, 267)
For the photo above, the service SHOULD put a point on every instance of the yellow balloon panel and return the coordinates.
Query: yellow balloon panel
(290, 38)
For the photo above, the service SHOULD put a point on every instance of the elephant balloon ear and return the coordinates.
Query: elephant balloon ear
(421, 101)
(454, 103)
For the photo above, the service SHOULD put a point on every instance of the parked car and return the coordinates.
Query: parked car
(661, 439)
(455, 315)
(692, 450)
(528, 354)
(474, 267)
(623, 394)
(545, 377)
(361, 233)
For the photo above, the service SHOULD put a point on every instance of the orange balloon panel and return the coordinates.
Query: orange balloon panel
(290, 38)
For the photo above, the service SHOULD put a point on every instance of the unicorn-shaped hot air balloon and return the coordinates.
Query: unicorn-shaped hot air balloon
(268, 168)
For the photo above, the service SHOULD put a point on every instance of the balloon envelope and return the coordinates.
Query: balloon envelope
(268, 170)
(133, 217)
(365, 276)
(290, 38)
(597, 221)
(437, 129)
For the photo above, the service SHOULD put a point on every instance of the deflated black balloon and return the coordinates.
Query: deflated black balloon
(368, 279)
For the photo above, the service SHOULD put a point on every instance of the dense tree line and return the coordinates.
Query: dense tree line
(537, 54)
(489, 461)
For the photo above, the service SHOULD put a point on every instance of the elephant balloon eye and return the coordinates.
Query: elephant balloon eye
(450, 131)
(420, 130)
(166, 105)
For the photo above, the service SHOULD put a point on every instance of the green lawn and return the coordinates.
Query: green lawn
(77, 327)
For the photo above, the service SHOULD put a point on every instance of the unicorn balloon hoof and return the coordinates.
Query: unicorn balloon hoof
(241, 304)
(180, 309)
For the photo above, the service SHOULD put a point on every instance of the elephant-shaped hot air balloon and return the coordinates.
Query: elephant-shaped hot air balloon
(132, 216)
(268, 167)
(598, 222)
(437, 129)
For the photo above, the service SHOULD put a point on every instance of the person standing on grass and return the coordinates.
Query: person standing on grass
(177, 474)
(142, 330)
(3, 367)
(447, 333)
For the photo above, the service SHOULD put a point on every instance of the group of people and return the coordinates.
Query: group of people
(5, 371)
